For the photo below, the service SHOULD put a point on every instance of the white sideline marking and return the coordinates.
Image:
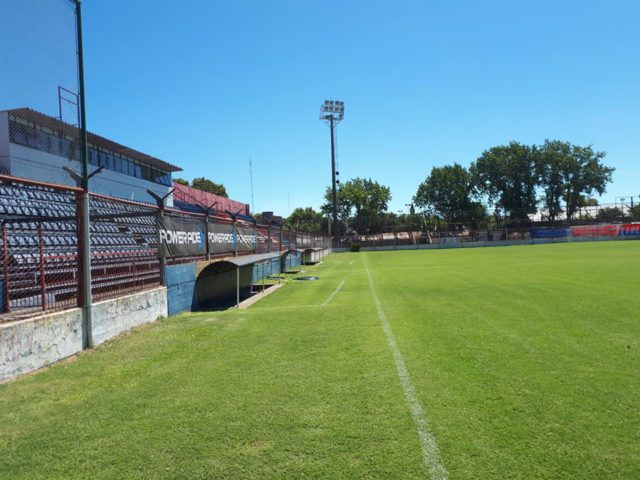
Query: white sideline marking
(430, 452)
(333, 294)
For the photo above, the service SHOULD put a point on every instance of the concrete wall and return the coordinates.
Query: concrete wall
(112, 317)
(30, 344)
(34, 343)
(181, 284)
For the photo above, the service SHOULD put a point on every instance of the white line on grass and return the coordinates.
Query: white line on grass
(430, 452)
(333, 294)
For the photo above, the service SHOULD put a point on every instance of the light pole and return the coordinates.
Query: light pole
(332, 111)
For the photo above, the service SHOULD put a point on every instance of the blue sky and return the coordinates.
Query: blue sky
(209, 84)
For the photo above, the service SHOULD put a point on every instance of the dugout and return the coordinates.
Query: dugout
(291, 259)
(227, 282)
(312, 255)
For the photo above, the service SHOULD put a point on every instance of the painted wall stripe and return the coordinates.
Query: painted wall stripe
(430, 452)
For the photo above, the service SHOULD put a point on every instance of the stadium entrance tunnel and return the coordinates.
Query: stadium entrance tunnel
(224, 283)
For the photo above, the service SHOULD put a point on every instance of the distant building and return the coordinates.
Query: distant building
(191, 199)
(37, 147)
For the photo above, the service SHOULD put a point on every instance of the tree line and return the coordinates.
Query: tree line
(204, 184)
(514, 180)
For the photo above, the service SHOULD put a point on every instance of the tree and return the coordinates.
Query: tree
(609, 214)
(585, 201)
(306, 220)
(508, 177)
(361, 203)
(210, 186)
(181, 181)
(570, 173)
(446, 192)
(634, 212)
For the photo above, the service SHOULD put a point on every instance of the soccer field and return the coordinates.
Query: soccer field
(514, 362)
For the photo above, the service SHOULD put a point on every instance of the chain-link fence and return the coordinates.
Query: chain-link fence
(493, 236)
(55, 234)
(42, 245)
(124, 247)
(39, 91)
(39, 247)
(625, 209)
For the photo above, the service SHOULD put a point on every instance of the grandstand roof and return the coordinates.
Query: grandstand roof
(56, 124)
(193, 196)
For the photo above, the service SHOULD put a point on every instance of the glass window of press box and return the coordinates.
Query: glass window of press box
(61, 146)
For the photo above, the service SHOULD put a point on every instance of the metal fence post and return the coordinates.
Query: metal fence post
(5, 262)
(255, 237)
(84, 246)
(84, 266)
(235, 244)
(43, 284)
(237, 286)
(206, 232)
(162, 258)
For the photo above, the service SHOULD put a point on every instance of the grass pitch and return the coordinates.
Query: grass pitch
(525, 361)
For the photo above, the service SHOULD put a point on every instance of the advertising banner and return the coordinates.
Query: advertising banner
(630, 229)
(549, 233)
(595, 231)
(186, 238)
(246, 238)
(222, 238)
(181, 237)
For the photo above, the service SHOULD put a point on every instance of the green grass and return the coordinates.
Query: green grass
(526, 360)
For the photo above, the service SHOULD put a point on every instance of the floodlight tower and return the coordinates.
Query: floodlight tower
(332, 111)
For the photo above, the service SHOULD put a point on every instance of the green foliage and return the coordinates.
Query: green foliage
(362, 203)
(306, 220)
(585, 201)
(206, 185)
(569, 173)
(634, 212)
(447, 193)
(355, 247)
(609, 214)
(181, 181)
(508, 177)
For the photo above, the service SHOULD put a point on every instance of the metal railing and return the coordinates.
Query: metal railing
(42, 245)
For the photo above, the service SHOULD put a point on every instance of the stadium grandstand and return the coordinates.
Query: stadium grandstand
(40, 216)
(37, 146)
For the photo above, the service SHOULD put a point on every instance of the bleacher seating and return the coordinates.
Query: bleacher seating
(41, 248)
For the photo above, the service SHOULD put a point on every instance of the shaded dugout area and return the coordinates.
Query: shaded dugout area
(224, 283)
(291, 260)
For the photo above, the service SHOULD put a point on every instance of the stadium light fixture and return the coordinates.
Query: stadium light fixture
(332, 112)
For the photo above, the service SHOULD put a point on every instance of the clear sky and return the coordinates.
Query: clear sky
(207, 85)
